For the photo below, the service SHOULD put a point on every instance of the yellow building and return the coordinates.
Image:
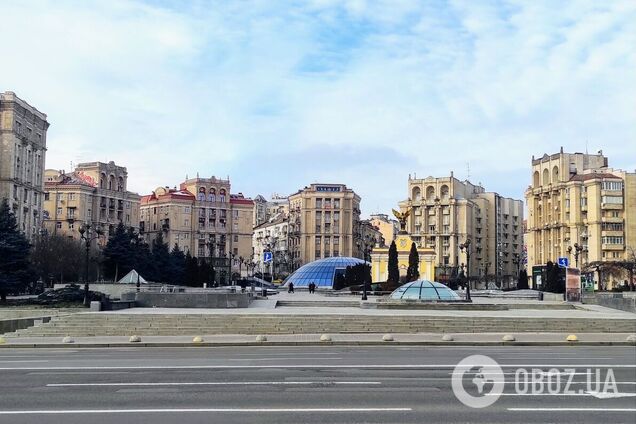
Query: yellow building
(575, 198)
(403, 242)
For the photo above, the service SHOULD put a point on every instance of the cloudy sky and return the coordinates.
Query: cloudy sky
(280, 94)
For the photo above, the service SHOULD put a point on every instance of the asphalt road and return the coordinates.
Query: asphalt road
(316, 384)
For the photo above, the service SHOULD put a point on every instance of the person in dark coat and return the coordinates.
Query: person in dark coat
(290, 288)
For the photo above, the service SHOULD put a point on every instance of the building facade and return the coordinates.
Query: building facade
(202, 217)
(577, 198)
(273, 236)
(22, 154)
(323, 222)
(95, 193)
(445, 212)
(388, 227)
(265, 210)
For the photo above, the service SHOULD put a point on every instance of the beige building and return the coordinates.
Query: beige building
(22, 153)
(445, 212)
(202, 217)
(388, 227)
(265, 210)
(94, 193)
(273, 236)
(323, 221)
(577, 198)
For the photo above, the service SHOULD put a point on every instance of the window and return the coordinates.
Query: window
(186, 222)
(46, 196)
(612, 240)
(186, 209)
(613, 200)
(58, 225)
(235, 225)
(318, 203)
(612, 185)
(336, 203)
(612, 226)
(59, 211)
(235, 213)
(235, 238)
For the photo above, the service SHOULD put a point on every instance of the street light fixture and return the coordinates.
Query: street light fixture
(578, 249)
(88, 233)
(466, 246)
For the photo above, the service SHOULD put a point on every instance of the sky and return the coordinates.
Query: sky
(281, 94)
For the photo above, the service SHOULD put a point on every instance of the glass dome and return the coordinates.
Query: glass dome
(424, 290)
(322, 272)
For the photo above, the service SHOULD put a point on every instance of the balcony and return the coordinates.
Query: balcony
(612, 247)
(612, 206)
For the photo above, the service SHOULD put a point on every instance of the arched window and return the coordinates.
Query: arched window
(201, 195)
(417, 194)
(120, 184)
(211, 195)
(555, 174)
(111, 182)
(445, 192)
(546, 177)
(535, 179)
(102, 180)
(430, 193)
(222, 195)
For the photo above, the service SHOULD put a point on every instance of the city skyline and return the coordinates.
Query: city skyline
(358, 93)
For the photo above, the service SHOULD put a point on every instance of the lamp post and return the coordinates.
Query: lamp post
(578, 249)
(88, 233)
(365, 245)
(516, 260)
(466, 246)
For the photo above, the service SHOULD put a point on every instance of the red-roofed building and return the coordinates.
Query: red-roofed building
(202, 217)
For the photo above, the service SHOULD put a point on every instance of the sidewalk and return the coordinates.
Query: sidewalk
(425, 339)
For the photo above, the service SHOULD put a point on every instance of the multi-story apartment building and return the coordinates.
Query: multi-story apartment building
(95, 193)
(202, 217)
(22, 153)
(577, 198)
(265, 210)
(273, 236)
(445, 212)
(323, 222)
(388, 227)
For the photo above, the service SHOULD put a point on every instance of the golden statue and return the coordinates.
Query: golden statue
(402, 217)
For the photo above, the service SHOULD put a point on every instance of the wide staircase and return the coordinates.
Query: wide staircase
(104, 324)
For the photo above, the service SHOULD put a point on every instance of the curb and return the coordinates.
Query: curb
(312, 343)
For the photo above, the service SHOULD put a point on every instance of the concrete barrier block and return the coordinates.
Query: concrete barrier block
(134, 339)
(387, 338)
(447, 338)
(508, 338)
(261, 338)
(3, 340)
(96, 306)
(632, 338)
(572, 338)
(68, 339)
(197, 339)
(325, 338)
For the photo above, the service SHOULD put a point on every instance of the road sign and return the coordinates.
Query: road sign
(563, 262)
(267, 257)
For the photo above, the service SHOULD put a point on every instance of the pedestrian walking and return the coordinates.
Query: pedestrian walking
(290, 288)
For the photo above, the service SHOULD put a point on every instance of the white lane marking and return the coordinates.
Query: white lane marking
(282, 359)
(250, 410)
(219, 383)
(572, 409)
(11, 362)
(307, 366)
(598, 395)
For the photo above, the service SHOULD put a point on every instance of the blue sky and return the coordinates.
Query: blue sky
(278, 95)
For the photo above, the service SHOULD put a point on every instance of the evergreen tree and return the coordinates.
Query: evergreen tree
(413, 273)
(177, 265)
(161, 259)
(393, 279)
(191, 274)
(15, 271)
(522, 280)
(118, 253)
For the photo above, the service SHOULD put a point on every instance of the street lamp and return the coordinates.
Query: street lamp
(578, 249)
(88, 233)
(516, 260)
(466, 246)
(365, 245)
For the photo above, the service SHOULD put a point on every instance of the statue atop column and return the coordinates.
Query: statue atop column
(402, 217)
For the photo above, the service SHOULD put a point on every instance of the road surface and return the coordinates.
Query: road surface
(314, 384)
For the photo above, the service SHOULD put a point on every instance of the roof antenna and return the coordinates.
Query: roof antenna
(586, 146)
(467, 171)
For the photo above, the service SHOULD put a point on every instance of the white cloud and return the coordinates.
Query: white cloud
(228, 87)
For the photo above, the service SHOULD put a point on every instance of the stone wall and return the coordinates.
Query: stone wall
(622, 301)
(193, 300)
